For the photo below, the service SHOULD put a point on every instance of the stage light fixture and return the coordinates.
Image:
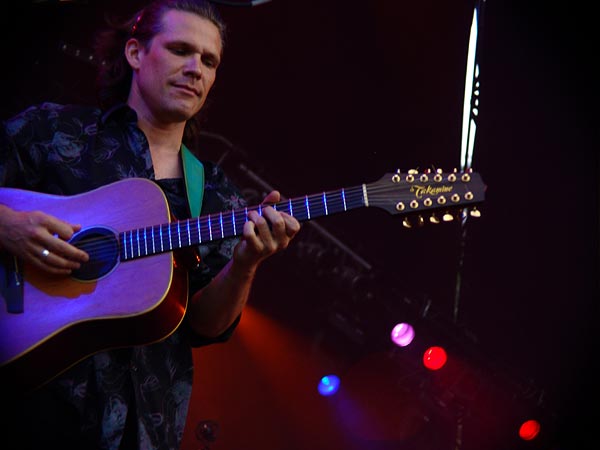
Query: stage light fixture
(329, 385)
(403, 334)
(434, 358)
(529, 430)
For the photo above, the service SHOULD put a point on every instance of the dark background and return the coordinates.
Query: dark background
(317, 95)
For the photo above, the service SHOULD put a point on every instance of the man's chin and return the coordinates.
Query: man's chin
(182, 114)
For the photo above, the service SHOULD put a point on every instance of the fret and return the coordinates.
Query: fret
(145, 243)
(317, 206)
(162, 247)
(221, 224)
(233, 222)
(170, 236)
(131, 243)
(153, 244)
(307, 205)
(203, 230)
(228, 227)
(199, 230)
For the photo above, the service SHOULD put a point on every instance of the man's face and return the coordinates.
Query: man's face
(173, 76)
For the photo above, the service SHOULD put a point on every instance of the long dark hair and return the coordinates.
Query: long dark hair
(114, 76)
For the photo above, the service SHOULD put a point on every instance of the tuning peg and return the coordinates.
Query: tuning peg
(434, 219)
(475, 213)
(420, 221)
(406, 223)
(447, 217)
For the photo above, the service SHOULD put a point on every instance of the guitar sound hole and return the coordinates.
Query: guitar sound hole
(102, 246)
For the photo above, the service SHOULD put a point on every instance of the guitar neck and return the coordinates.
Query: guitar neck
(152, 240)
(406, 194)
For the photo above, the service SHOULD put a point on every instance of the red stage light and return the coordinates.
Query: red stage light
(529, 430)
(434, 358)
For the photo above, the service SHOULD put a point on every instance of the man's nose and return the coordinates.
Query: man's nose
(193, 66)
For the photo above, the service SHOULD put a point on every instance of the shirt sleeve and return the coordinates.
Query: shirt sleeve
(220, 194)
(17, 160)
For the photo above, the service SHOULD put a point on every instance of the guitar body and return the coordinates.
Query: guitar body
(138, 301)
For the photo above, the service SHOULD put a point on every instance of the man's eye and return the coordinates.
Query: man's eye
(209, 62)
(179, 51)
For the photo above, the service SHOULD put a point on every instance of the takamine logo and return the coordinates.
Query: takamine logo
(421, 191)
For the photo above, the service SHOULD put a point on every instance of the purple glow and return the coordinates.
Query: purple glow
(402, 334)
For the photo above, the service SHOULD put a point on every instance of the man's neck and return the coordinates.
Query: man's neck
(165, 143)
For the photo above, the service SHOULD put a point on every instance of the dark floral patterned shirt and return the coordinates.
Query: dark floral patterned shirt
(124, 398)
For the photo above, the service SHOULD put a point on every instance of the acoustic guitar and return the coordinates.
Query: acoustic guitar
(132, 291)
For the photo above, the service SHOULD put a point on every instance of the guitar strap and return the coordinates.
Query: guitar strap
(193, 173)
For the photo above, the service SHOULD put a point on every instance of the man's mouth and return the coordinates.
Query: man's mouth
(188, 88)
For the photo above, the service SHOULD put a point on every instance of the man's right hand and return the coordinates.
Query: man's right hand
(40, 239)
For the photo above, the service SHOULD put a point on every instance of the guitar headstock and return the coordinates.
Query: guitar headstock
(428, 196)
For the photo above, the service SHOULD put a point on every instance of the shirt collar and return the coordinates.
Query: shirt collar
(120, 112)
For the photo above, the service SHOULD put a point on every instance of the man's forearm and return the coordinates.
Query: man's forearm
(214, 308)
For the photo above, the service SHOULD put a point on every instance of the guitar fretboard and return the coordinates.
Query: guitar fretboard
(156, 239)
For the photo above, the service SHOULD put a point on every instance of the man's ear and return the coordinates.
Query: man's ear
(133, 49)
